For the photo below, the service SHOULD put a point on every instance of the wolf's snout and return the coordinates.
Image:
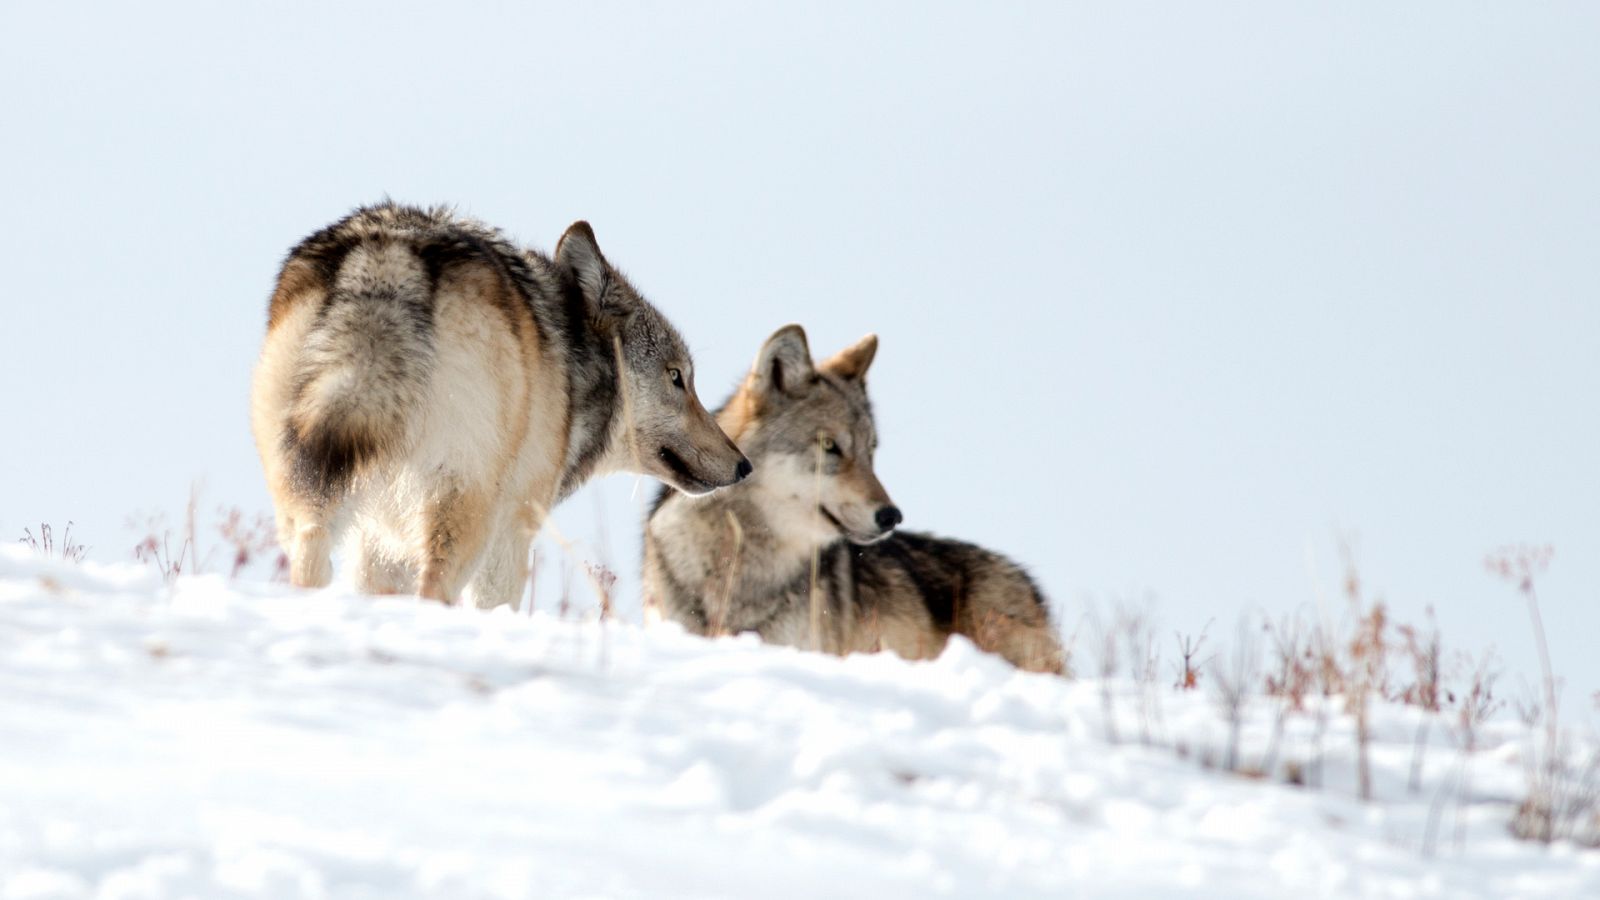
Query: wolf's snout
(742, 470)
(888, 517)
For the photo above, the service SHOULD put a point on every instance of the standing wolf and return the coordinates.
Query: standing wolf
(435, 390)
(803, 553)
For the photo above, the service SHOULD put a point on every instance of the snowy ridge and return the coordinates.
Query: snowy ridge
(234, 740)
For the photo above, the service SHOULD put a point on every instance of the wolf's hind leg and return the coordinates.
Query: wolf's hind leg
(378, 571)
(1034, 647)
(1029, 643)
(455, 527)
(308, 529)
(311, 555)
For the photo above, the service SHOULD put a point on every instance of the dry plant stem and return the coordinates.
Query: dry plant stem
(1290, 683)
(534, 560)
(604, 579)
(816, 554)
(596, 574)
(189, 517)
(1552, 788)
(250, 541)
(1476, 708)
(602, 585)
(719, 618)
(1143, 666)
(1463, 797)
(1576, 804)
(565, 605)
(1363, 746)
(1107, 641)
(45, 543)
(246, 540)
(1552, 730)
(1367, 666)
(1330, 681)
(1190, 662)
(157, 550)
(1314, 769)
(1232, 683)
(1107, 709)
(1414, 784)
(1269, 759)
(1151, 713)
(1430, 830)
(1425, 653)
(1535, 815)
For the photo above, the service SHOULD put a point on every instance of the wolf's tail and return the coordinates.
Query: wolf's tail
(363, 368)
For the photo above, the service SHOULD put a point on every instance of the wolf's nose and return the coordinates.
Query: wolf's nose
(888, 517)
(742, 470)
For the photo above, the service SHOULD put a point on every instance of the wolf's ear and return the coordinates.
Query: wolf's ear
(784, 364)
(851, 363)
(578, 251)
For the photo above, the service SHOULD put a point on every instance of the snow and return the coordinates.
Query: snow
(215, 739)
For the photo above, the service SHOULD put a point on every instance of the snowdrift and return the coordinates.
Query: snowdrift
(215, 739)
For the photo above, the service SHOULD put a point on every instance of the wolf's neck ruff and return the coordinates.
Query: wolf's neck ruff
(593, 388)
(724, 558)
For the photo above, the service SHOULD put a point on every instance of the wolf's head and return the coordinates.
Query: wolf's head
(670, 434)
(810, 430)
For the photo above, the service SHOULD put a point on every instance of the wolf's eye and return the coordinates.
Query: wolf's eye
(677, 378)
(829, 445)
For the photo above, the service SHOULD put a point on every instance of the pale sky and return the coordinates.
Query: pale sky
(1170, 295)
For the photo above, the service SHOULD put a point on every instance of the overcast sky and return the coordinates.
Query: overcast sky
(1170, 296)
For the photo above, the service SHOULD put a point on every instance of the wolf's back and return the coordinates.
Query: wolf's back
(362, 368)
(364, 365)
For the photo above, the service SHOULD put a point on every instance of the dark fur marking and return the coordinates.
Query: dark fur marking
(678, 466)
(325, 257)
(940, 581)
(662, 493)
(324, 461)
(436, 255)
(457, 247)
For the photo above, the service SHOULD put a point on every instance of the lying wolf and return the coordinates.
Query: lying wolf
(805, 552)
(434, 390)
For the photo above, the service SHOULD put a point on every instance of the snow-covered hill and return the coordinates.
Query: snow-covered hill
(219, 740)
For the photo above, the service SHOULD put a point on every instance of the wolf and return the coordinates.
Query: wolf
(806, 553)
(431, 390)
